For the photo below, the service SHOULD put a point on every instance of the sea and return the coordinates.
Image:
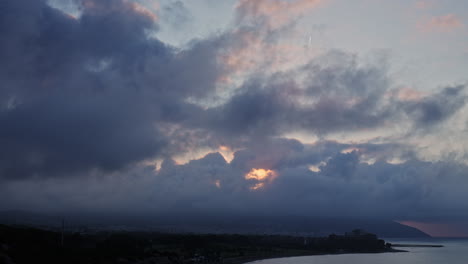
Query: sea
(454, 251)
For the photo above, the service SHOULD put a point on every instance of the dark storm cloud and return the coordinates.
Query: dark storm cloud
(345, 186)
(437, 107)
(96, 95)
(98, 92)
(89, 92)
(337, 95)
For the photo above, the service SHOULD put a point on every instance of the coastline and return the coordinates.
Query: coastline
(24, 245)
(250, 259)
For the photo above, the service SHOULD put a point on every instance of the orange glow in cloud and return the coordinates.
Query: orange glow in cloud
(129, 7)
(144, 11)
(350, 150)
(224, 148)
(316, 167)
(217, 183)
(227, 153)
(258, 186)
(262, 176)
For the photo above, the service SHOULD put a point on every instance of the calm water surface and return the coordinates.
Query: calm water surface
(455, 251)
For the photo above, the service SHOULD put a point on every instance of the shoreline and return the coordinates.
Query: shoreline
(418, 245)
(250, 259)
(23, 245)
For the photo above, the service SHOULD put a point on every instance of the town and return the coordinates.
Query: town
(27, 245)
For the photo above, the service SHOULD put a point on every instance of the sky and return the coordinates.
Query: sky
(317, 108)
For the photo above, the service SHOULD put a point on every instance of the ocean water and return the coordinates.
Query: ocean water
(455, 251)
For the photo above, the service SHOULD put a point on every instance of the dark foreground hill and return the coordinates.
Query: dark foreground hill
(29, 245)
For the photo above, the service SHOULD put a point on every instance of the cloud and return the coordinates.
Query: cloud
(89, 93)
(264, 37)
(87, 102)
(109, 95)
(441, 24)
(176, 14)
(437, 107)
(334, 94)
(345, 186)
(274, 13)
(424, 4)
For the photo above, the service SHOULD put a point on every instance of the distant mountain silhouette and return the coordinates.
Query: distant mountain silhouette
(291, 225)
(298, 225)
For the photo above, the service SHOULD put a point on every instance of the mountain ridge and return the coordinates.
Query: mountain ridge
(290, 225)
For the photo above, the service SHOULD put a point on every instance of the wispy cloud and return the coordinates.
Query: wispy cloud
(445, 23)
(275, 13)
(424, 4)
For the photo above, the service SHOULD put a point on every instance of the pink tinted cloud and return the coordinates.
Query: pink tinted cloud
(424, 4)
(255, 48)
(255, 52)
(406, 94)
(275, 13)
(127, 6)
(445, 23)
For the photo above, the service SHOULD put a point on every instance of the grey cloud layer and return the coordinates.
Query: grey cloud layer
(345, 187)
(437, 107)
